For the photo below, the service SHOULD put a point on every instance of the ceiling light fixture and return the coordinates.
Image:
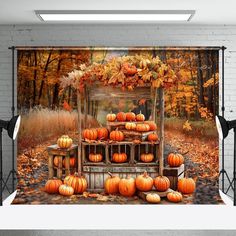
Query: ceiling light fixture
(115, 15)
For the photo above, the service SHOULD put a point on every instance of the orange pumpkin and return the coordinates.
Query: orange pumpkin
(72, 162)
(130, 116)
(121, 116)
(161, 183)
(174, 196)
(95, 157)
(175, 159)
(64, 141)
(130, 126)
(186, 185)
(111, 184)
(66, 190)
(142, 127)
(52, 185)
(127, 187)
(129, 69)
(90, 134)
(152, 125)
(140, 117)
(119, 157)
(117, 135)
(102, 133)
(152, 137)
(147, 157)
(56, 161)
(111, 117)
(144, 182)
(77, 182)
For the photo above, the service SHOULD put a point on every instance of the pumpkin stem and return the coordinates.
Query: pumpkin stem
(109, 173)
(145, 174)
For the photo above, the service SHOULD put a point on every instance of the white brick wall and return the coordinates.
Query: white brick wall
(118, 35)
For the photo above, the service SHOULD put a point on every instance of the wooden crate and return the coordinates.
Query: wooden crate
(143, 195)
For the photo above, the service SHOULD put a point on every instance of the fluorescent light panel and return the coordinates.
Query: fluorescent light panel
(115, 15)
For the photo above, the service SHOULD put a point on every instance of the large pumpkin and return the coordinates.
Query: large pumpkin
(186, 185)
(127, 187)
(102, 133)
(90, 134)
(121, 116)
(153, 198)
(77, 182)
(144, 182)
(147, 157)
(111, 184)
(66, 190)
(119, 157)
(52, 185)
(175, 159)
(174, 196)
(95, 157)
(64, 141)
(152, 137)
(111, 117)
(152, 125)
(130, 116)
(72, 162)
(142, 127)
(130, 126)
(117, 135)
(161, 183)
(140, 117)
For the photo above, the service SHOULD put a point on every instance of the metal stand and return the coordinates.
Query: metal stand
(1, 188)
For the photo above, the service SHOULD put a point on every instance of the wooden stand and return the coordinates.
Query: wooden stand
(143, 195)
(53, 151)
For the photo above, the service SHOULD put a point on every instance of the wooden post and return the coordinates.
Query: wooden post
(132, 154)
(50, 166)
(59, 168)
(161, 146)
(154, 109)
(85, 106)
(67, 164)
(79, 130)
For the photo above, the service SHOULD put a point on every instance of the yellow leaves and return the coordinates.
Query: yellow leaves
(187, 126)
(212, 81)
(204, 113)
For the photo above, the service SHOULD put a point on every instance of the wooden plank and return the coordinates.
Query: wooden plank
(154, 108)
(143, 195)
(50, 167)
(79, 130)
(173, 171)
(174, 180)
(59, 169)
(67, 164)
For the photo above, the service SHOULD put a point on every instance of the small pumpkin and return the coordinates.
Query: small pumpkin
(153, 198)
(66, 190)
(174, 196)
(117, 135)
(130, 116)
(95, 157)
(119, 157)
(186, 185)
(129, 69)
(64, 141)
(161, 183)
(111, 184)
(152, 125)
(102, 133)
(175, 159)
(144, 182)
(147, 157)
(121, 116)
(56, 160)
(111, 117)
(77, 182)
(127, 187)
(72, 162)
(90, 134)
(130, 126)
(140, 117)
(52, 185)
(142, 127)
(152, 137)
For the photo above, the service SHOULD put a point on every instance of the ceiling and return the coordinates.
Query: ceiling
(207, 11)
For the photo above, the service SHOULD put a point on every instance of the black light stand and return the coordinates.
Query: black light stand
(1, 188)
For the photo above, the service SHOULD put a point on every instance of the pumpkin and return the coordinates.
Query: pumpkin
(161, 183)
(144, 182)
(142, 127)
(66, 190)
(119, 157)
(174, 196)
(90, 134)
(175, 159)
(140, 117)
(56, 160)
(152, 137)
(102, 133)
(127, 187)
(130, 126)
(129, 69)
(152, 125)
(147, 157)
(111, 117)
(77, 182)
(72, 162)
(95, 157)
(186, 185)
(153, 198)
(121, 116)
(52, 185)
(64, 141)
(111, 184)
(117, 135)
(130, 116)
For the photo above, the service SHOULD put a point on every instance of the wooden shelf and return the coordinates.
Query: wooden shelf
(117, 143)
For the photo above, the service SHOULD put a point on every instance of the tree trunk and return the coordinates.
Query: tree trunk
(200, 81)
